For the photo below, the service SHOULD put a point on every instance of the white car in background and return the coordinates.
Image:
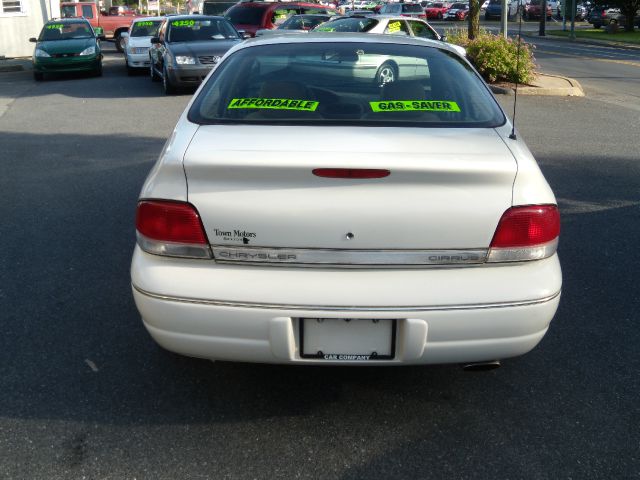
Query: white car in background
(137, 42)
(319, 218)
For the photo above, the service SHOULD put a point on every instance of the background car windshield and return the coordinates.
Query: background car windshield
(459, 6)
(146, 28)
(65, 31)
(413, 8)
(241, 15)
(346, 83)
(347, 25)
(197, 30)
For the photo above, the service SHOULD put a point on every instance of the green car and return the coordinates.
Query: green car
(67, 45)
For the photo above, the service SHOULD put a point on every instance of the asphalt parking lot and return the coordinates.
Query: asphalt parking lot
(85, 393)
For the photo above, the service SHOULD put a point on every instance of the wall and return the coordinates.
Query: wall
(17, 28)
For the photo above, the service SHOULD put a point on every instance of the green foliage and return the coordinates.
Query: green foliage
(495, 57)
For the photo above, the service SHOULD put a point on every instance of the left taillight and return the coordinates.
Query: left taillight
(171, 228)
(528, 232)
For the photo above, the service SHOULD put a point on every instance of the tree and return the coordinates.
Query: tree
(629, 8)
(474, 19)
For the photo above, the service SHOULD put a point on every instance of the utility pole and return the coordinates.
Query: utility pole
(503, 18)
(543, 19)
(572, 35)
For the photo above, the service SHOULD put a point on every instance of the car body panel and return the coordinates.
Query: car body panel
(279, 172)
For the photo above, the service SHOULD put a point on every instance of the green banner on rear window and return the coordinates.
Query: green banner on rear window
(274, 104)
(144, 24)
(415, 106)
(54, 26)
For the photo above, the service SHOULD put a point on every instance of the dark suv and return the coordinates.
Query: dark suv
(254, 16)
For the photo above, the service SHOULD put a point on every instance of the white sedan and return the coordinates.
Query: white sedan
(137, 42)
(304, 218)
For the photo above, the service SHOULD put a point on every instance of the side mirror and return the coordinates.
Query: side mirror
(102, 38)
(124, 34)
(244, 34)
(443, 38)
(98, 30)
(33, 40)
(155, 40)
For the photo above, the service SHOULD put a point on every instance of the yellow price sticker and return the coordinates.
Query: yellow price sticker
(393, 27)
(274, 104)
(415, 106)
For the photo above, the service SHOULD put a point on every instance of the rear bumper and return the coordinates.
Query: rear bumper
(251, 314)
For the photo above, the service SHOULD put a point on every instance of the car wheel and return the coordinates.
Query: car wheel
(98, 71)
(119, 40)
(387, 73)
(38, 77)
(168, 88)
(486, 16)
(152, 73)
(597, 25)
(440, 16)
(130, 71)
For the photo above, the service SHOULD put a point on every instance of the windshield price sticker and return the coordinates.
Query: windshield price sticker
(274, 104)
(146, 24)
(183, 23)
(393, 27)
(55, 26)
(415, 106)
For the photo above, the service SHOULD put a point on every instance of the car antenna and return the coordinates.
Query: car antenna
(515, 98)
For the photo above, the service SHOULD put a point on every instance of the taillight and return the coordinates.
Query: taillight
(351, 172)
(171, 228)
(526, 233)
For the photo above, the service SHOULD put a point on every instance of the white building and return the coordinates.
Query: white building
(20, 20)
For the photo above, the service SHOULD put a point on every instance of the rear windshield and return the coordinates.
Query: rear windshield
(197, 30)
(146, 28)
(413, 8)
(347, 25)
(245, 15)
(346, 83)
(458, 6)
(65, 31)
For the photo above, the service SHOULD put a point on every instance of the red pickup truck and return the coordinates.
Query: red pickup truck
(112, 25)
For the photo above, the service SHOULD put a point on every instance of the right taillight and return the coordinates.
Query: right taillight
(526, 233)
(171, 228)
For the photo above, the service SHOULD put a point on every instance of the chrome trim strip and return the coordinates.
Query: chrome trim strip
(328, 308)
(346, 257)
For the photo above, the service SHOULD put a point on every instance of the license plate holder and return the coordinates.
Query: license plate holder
(347, 339)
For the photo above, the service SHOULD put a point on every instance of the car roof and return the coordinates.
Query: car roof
(68, 20)
(343, 37)
(148, 19)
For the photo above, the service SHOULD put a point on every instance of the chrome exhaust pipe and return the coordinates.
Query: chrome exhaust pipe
(481, 366)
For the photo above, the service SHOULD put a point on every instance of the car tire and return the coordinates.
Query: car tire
(486, 17)
(152, 73)
(387, 73)
(130, 71)
(38, 77)
(439, 15)
(167, 87)
(119, 41)
(98, 71)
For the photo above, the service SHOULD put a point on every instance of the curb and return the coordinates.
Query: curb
(11, 68)
(574, 89)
